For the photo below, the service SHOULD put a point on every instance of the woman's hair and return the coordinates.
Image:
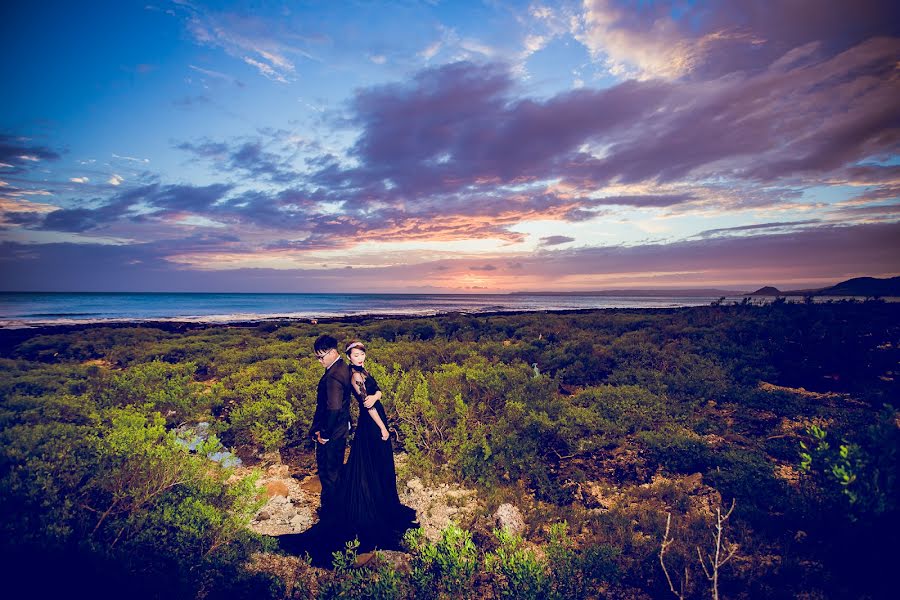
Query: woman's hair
(355, 344)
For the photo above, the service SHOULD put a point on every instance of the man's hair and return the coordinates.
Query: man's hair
(324, 343)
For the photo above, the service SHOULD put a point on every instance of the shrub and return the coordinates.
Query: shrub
(864, 473)
(157, 385)
(521, 573)
(677, 450)
(573, 573)
(447, 565)
(348, 581)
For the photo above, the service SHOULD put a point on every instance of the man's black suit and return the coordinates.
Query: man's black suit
(332, 421)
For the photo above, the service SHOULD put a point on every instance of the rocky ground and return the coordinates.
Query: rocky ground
(292, 497)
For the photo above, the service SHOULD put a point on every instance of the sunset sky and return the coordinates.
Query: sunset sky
(448, 146)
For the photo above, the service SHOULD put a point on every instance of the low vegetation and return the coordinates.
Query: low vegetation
(624, 436)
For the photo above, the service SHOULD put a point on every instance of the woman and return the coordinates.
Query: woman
(368, 490)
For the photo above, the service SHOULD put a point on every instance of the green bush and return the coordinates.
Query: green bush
(864, 474)
(677, 450)
(518, 572)
(116, 485)
(446, 566)
(158, 386)
(575, 573)
(348, 581)
(264, 421)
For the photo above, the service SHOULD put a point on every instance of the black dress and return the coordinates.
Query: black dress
(367, 493)
(367, 506)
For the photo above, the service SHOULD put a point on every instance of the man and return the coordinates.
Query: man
(331, 421)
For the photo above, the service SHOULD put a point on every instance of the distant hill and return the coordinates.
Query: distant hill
(767, 291)
(686, 293)
(864, 286)
(859, 286)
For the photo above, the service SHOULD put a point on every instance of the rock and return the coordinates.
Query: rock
(298, 522)
(510, 518)
(400, 561)
(439, 506)
(279, 470)
(279, 500)
(277, 488)
(263, 515)
(267, 459)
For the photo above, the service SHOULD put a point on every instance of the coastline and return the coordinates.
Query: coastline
(66, 322)
(11, 336)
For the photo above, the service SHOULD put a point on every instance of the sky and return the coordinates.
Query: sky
(448, 146)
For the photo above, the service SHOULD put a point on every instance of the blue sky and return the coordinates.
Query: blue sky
(447, 146)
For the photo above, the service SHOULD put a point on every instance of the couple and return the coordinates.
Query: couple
(359, 499)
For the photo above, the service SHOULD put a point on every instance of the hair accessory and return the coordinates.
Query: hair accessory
(352, 346)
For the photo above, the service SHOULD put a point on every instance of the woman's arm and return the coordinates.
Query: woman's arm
(385, 434)
(359, 390)
(370, 401)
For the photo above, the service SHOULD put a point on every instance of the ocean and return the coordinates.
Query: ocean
(38, 309)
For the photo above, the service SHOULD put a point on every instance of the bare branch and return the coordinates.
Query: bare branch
(666, 542)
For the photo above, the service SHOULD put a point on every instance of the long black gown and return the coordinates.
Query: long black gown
(368, 502)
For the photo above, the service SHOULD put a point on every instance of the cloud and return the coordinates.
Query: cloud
(148, 202)
(431, 50)
(670, 39)
(79, 179)
(886, 212)
(457, 134)
(17, 155)
(115, 179)
(755, 227)
(826, 254)
(257, 41)
(460, 125)
(454, 153)
(217, 75)
(556, 240)
(804, 254)
(17, 211)
(131, 158)
(247, 156)
(266, 69)
(482, 268)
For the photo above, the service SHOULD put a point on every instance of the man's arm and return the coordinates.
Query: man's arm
(333, 406)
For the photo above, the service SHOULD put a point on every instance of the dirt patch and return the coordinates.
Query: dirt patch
(277, 488)
(98, 362)
(294, 572)
(788, 474)
(771, 387)
(797, 427)
(289, 508)
(311, 485)
(665, 492)
(438, 506)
